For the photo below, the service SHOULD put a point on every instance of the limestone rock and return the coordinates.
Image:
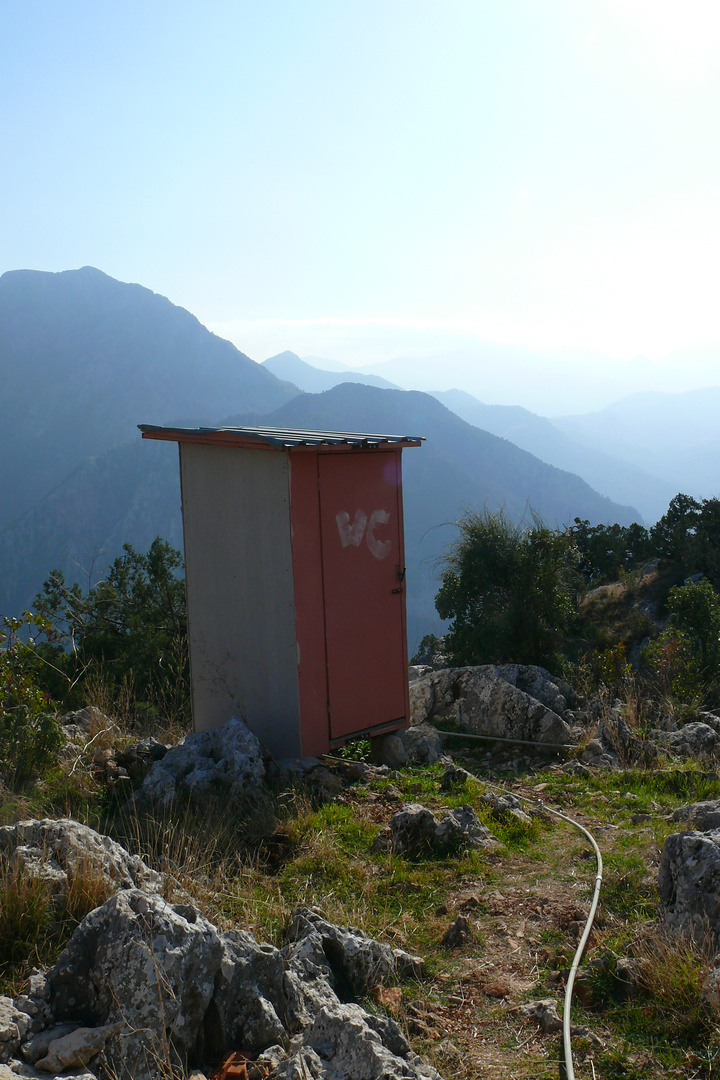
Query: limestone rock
(14, 1026)
(354, 963)
(77, 1048)
(503, 805)
(345, 1043)
(693, 740)
(704, 816)
(422, 743)
(249, 994)
(389, 750)
(139, 960)
(56, 850)
(224, 762)
(482, 701)
(414, 830)
(545, 1012)
(38, 1045)
(689, 883)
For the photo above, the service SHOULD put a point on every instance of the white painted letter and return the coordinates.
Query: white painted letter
(351, 534)
(378, 548)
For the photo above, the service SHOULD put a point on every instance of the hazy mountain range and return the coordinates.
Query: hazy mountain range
(85, 358)
(640, 451)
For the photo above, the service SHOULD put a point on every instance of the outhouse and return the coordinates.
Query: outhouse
(295, 575)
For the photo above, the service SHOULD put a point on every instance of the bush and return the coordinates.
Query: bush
(509, 591)
(29, 735)
(131, 627)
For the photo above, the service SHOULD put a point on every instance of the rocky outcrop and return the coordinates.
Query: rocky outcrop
(414, 830)
(224, 762)
(158, 987)
(491, 700)
(57, 851)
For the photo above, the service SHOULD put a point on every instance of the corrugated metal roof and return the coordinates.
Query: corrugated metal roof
(280, 437)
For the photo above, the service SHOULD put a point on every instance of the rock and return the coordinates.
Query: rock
(416, 671)
(454, 777)
(414, 830)
(503, 805)
(224, 762)
(345, 1043)
(324, 785)
(138, 758)
(14, 1026)
(388, 750)
(354, 963)
(84, 724)
(77, 1048)
(37, 1046)
(545, 1012)
(58, 850)
(693, 740)
(689, 883)
(538, 683)
(250, 992)
(15, 1069)
(138, 960)
(704, 816)
(458, 933)
(480, 700)
(423, 744)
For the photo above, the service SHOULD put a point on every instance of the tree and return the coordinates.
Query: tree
(508, 591)
(132, 624)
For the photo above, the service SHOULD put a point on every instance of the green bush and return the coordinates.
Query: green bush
(509, 591)
(130, 628)
(29, 734)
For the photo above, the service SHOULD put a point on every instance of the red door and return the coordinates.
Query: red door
(360, 512)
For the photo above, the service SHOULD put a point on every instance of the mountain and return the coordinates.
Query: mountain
(84, 357)
(313, 380)
(676, 437)
(131, 493)
(607, 473)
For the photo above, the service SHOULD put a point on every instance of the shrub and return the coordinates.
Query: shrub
(29, 735)
(509, 591)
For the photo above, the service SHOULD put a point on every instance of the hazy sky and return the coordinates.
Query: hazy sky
(366, 179)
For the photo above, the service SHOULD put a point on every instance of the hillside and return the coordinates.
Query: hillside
(83, 356)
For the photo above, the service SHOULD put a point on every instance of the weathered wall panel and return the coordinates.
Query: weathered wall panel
(241, 613)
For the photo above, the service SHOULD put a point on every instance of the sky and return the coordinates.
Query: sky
(366, 180)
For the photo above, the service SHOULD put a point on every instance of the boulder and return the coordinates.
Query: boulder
(422, 743)
(481, 701)
(250, 1003)
(689, 883)
(224, 762)
(139, 960)
(58, 850)
(414, 830)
